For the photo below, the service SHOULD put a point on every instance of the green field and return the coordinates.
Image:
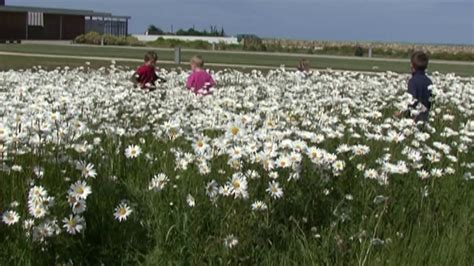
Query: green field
(16, 62)
(253, 59)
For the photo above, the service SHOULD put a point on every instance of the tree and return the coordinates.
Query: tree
(213, 31)
(154, 30)
(181, 32)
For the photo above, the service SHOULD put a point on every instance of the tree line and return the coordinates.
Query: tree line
(213, 31)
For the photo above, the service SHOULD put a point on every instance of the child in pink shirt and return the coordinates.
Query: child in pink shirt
(200, 82)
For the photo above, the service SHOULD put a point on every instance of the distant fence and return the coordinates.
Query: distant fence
(151, 38)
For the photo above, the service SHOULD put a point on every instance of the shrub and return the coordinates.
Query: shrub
(201, 45)
(93, 38)
(133, 41)
(122, 41)
(359, 51)
(171, 43)
(110, 40)
(80, 39)
(221, 46)
(96, 38)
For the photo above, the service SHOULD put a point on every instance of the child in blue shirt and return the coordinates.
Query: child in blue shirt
(418, 86)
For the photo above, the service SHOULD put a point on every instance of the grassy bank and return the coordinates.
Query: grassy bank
(309, 227)
(323, 48)
(268, 60)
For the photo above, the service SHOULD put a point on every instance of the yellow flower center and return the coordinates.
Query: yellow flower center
(236, 183)
(122, 211)
(72, 222)
(234, 130)
(79, 190)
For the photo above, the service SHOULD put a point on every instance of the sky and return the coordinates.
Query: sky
(419, 21)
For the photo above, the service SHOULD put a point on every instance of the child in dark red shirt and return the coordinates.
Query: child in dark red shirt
(145, 76)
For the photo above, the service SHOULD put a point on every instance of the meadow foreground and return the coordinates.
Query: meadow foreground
(275, 169)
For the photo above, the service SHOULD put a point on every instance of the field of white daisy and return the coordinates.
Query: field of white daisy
(272, 169)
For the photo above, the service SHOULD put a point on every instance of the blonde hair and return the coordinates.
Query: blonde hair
(198, 61)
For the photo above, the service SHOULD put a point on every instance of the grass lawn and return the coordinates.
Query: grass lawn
(14, 62)
(19, 62)
(214, 57)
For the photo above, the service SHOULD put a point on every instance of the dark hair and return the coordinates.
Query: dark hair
(150, 56)
(419, 60)
(303, 65)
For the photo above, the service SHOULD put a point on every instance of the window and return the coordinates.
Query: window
(35, 19)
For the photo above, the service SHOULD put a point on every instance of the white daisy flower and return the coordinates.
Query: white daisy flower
(158, 182)
(122, 211)
(212, 189)
(74, 224)
(275, 190)
(190, 201)
(259, 206)
(10, 217)
(238, 186)
(230, 241)
(87, 169)
(225, 190)
(17, 168)
(80, 190)
(133, 151)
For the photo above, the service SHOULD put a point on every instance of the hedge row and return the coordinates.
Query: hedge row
(97, 38)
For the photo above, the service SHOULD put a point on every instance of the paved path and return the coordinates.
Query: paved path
(296, 55)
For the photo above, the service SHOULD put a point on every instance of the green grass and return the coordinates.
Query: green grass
(20, 62)
(163, 230)
(238, 59)
(12, 62)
